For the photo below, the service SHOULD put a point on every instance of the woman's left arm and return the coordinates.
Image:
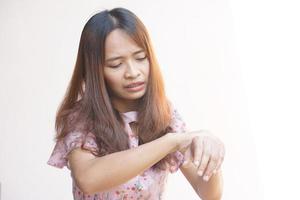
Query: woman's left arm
(206, 190)
(202, 166)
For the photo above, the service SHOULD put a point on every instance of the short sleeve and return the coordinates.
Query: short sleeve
(72, 140)
(177, 123)
(175, 159)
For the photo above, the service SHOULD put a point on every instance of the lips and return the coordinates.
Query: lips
(132, 85)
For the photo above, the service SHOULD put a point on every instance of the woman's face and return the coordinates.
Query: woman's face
(126, 68)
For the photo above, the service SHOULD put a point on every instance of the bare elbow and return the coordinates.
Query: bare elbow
(88, 185)
(83, 183)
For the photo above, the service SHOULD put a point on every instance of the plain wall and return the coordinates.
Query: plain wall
(224, 64)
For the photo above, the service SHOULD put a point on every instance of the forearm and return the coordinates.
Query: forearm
(117, 168)
(206, 190)
(212, 189)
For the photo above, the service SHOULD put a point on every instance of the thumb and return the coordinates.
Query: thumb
(188, 157)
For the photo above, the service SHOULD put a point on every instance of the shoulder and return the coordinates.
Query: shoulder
(177, 122)
(73, 140)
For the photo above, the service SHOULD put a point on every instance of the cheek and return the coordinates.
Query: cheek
(112, 80)
(146, 70)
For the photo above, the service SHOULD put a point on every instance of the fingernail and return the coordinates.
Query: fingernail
(185, 162)
(200, 173)
(215, 171)
(205, 178)
(196, 163)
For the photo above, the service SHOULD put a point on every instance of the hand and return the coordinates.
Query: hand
(205, 150)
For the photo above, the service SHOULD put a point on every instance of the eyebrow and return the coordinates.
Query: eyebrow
(118, 57)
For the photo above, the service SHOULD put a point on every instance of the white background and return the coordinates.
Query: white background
(229, 66)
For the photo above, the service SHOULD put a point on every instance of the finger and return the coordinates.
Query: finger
(204, 161)
(187, 157)
(210, 167)
(197, 150)
(220, 160)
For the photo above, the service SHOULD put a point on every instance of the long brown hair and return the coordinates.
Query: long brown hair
(86, 105)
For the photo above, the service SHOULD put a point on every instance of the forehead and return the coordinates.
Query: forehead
(118, 42)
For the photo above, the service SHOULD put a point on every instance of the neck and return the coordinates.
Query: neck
(125, 105)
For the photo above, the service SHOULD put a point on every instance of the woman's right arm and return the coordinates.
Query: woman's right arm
(94, 174)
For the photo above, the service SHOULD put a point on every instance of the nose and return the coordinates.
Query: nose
(132, 70)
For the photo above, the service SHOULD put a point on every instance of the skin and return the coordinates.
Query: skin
(202, 166)
(126, 63)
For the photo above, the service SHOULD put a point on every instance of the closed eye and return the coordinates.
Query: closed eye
(142, 58)
(115, 66)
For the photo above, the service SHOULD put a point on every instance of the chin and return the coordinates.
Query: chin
(134, 96)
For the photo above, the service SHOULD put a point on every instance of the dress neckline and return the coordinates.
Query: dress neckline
(130, 116)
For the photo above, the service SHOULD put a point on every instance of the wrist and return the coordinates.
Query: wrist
(173, 139)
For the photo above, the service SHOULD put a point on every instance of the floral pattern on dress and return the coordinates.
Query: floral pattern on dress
(149, 185)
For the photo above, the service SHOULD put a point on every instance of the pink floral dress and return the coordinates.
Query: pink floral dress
(148, 185)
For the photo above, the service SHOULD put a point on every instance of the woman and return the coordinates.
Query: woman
(116, 130)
